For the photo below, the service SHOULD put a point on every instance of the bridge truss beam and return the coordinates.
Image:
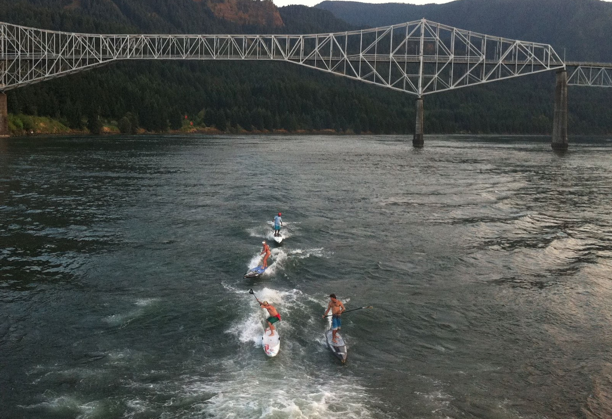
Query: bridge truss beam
(419, 57)
(590, 74)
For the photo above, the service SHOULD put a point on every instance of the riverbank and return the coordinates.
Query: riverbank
(21, 125)
(26, 125)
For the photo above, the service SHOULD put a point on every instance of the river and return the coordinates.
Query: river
(487, 260)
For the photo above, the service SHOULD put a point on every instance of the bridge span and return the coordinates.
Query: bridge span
(418, 58)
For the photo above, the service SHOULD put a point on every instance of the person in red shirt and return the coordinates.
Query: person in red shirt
(274, 316)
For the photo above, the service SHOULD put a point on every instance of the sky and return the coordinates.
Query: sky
(281, 3)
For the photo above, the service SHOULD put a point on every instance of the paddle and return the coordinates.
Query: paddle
(251, 292)
(348, 311)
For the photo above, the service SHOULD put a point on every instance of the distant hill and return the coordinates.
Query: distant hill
(166, 16)
(582, 27)
(169, 16)
(302, 19)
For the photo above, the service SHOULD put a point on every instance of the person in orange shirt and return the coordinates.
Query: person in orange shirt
(266, 252)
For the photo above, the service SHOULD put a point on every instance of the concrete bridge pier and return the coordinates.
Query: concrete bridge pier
(4, 130)
(417, 140)
(559, 137)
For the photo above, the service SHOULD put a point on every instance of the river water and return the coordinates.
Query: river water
(488, 262)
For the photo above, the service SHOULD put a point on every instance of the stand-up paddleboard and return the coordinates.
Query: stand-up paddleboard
(278, 239)
(270, 344)
(339, 348)
(255, 272)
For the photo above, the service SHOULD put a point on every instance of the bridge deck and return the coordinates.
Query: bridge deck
(588, 64)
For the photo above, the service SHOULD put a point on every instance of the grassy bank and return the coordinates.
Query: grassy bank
(28, 125)
(22, 125)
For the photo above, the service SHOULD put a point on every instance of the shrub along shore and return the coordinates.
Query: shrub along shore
(26, 125)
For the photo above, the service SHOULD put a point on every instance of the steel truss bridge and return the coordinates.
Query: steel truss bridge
(419, 57)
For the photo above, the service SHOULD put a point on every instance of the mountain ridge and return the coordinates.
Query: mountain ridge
(583, 28)
(130, 16)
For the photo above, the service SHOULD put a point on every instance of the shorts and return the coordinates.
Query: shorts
(336, 323)
(273, 319)
(277, 228)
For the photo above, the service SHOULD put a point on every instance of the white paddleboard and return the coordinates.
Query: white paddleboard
(270, 344)
(278, 239)
(338, 348)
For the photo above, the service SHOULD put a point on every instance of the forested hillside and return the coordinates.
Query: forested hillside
(156, 96)
(143, 16)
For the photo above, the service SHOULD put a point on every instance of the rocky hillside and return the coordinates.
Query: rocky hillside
(247, 12)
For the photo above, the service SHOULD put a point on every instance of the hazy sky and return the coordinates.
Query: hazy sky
(281, 3)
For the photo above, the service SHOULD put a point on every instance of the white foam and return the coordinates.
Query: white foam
(266, 231)
(261, 232)
(63, 404)
(277, 387)
(278, 258)
(251, 327)
(275, 261)
(137, 406)
(285, 299)
(437, 399)
(255, 396)
(80, 373)
(144, 302)
(125, 318)
(306, 253)
(124, 357)
(247, 384)
(255, 261)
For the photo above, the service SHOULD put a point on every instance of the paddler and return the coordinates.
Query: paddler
(337, 308)
(266, 252)
(274, 316)
(278, 222)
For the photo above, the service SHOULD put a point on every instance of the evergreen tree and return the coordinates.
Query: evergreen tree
(176, 119)
(94, 124)
(220, 121)
(125, 126)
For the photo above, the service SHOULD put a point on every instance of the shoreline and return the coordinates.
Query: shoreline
(215, 132)
(45, 126)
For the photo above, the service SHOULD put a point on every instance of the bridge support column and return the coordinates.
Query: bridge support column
(417, 140)
(4, 130)
(559, 137)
